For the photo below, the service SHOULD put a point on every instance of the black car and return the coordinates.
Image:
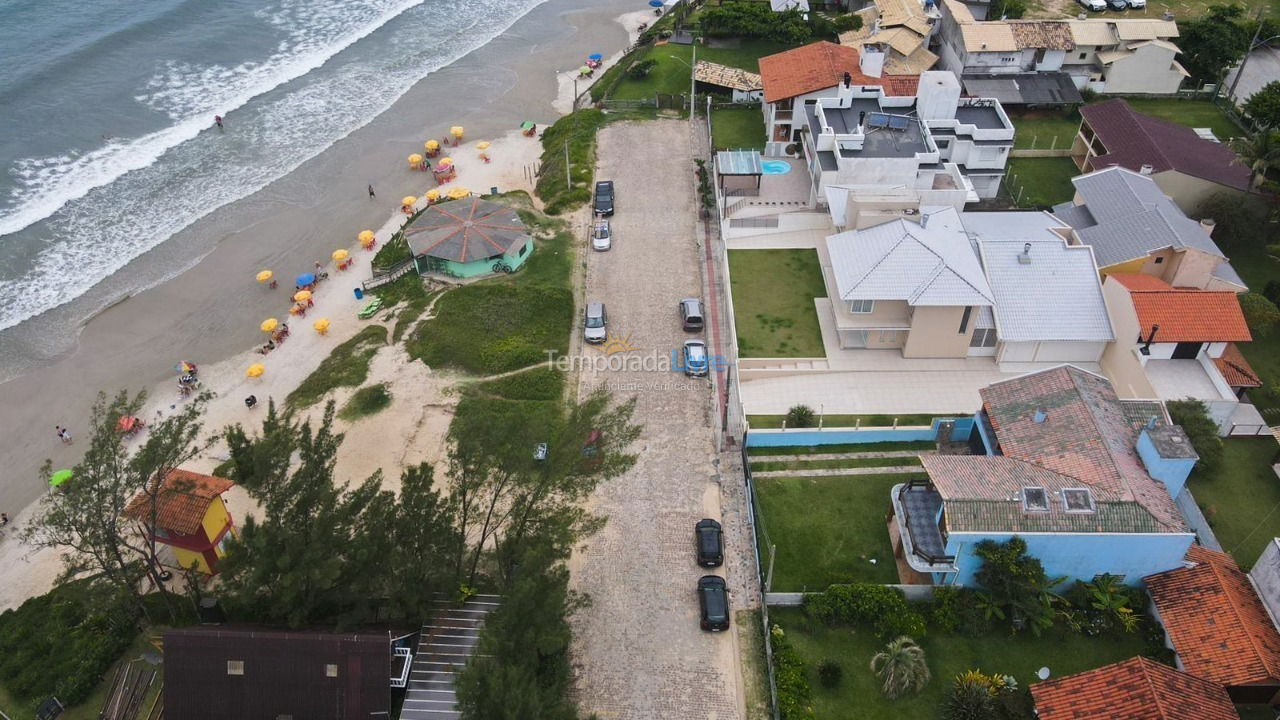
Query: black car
(1118, 4)
(709, 541)
(713, 598)
(603, 200)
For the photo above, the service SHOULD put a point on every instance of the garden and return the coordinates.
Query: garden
(737, 128)
(1241, 499)
(1040, 182)
(773, 293)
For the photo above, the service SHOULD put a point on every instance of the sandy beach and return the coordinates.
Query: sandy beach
(209, 313)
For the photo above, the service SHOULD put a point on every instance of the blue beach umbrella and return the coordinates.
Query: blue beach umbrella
(596, 57)
(655, 3)
(306, 279)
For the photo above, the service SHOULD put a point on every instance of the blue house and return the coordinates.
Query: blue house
(1085, 478)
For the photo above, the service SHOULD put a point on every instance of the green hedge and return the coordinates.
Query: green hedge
(794, 694)
(883, 608)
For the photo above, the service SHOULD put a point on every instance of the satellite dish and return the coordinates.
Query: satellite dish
(1043, 673)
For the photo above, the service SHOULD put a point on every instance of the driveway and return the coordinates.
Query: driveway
(638, 651)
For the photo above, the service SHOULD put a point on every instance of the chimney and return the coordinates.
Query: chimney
(1146, 169)
(1024, 258)
(1146, 347)
(848, 80)
(862, 119)
(1207, 225)
(1040, 416)
(872, 60)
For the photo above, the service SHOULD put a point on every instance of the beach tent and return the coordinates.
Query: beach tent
(468, 237)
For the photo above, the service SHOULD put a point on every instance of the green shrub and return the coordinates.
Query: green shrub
(365, 402)
(881, 607)
(830, 673)
(1201, 430)
(955, 609)
(641, 70)
(794, 694)
(800, 416)
(847, 22)
(346, 366)
(1260, 313)
(494, 327)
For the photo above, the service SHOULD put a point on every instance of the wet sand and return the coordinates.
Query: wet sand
(211, 311)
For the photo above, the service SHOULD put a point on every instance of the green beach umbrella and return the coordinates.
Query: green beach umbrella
(59, 477)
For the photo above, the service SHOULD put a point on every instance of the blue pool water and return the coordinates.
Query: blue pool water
(775, 167)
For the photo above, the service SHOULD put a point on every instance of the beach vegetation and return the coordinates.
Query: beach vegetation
(407, 316)
(83, 519)
(366, 401)
(346, 366)
(755, 20)
(572, 140)
(543, 383)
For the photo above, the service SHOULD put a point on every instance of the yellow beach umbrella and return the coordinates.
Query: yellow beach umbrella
(482, 145)
(458, 193)
(365, 236)
(269, 324)
(431, 145)
(256, 370)
(302, 296)
(445, 162)
(366, 242)
(408, 200)
(415, 160)
(433, 195)
(321, 326)
(456, 131)
(265, 276)
(339, 255)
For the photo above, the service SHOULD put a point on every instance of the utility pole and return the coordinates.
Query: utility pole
(568, 182)
(693, 79)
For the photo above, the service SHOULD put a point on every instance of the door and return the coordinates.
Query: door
(1186, 351)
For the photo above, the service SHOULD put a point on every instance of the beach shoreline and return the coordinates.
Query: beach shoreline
(209, 313)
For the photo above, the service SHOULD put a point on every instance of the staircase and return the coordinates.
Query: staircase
(448, 639)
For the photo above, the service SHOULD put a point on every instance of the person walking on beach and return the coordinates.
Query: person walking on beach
(371, 195)
(217, 120)
(63, 434)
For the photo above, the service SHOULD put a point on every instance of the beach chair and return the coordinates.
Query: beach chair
(370, 308)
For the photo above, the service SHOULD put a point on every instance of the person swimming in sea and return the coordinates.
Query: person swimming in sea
(217, 120)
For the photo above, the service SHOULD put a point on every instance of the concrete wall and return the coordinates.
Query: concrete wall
(935, 333)
(840, 436)
(1081, 556)
(1149, 70)
(1193, 268)
(1051, 351)
(1190, 192)
(1119, 362)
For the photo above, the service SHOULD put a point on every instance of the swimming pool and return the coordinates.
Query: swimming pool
(775, 167)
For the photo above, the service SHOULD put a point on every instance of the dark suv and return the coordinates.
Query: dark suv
(713, 598)
(603, 200)
(709, 541)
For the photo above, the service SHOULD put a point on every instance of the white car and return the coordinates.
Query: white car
(1137, 4)
(1094, 5)
(601, 236)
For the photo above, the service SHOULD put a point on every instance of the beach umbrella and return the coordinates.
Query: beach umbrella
(415, 160)
(655, 3)
(433, 195)
(456, 131)
(365, 236)
(482, 145)
(444, 162)
(255, 370)
(306, 279)
(527, 125)
(408, 200)
(302, 296)
(59, 477)
(595, 57)
(366, 242)
(265, 276)
(458, 193)
(584, 70)
(269, 324)
(321, 325)
(339, 255)
(431, 145)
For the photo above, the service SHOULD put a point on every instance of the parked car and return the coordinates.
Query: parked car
(695, 358)
(1118, 4)
(1094, 5)
(691, 318)
(595, 320)
(709, 541)
(713, 599)
(1137, 4)
(603, 202)
(601, 235)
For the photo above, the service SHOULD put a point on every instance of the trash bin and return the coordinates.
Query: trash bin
(359, 293)
(493, 190)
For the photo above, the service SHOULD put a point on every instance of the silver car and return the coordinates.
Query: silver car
(695, 358)
(601, 236)
(594, 321)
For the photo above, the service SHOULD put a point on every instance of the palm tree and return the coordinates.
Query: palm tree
(901, 667)
(1260, 152)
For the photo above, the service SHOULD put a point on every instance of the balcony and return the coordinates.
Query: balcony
(916, 505)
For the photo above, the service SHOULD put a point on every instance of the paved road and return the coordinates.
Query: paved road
(638, 651)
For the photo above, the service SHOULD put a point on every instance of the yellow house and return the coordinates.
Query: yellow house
(189, 515)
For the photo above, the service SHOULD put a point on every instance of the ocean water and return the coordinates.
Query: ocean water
(107, 144)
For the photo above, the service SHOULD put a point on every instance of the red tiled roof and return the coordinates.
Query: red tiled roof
(1133, 140)
(1235, 368)
(181, 502)
(1185, 314)
(1216, 621)
(819, 66)
(1134, 689)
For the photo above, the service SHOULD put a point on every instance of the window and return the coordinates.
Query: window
(1008, 59)
(1078, 500)
(964, 320)
(1084, 55)
(1035, 499)
(983, 337)
(1159, 260)
(331, 670)
(235, 667)
(861, 306)
(888, 336)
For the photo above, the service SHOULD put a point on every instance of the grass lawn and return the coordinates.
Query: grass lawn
(773, 292)
(858, 696)
(828, 529)
(839, 420)
(735, 128)
(1256, 267)
(1192, 113)
(1043, 181)
(850, 447)
(346, 366)
(1039, 128)
(674, 68)
(1243, 501)
(1182, 9)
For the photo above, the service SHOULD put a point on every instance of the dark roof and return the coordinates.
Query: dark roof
(1030, 88)
(1135, 689)
(181, 503)
(819, 66)
(466, 230)
(284, 675)
(1132, 140)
